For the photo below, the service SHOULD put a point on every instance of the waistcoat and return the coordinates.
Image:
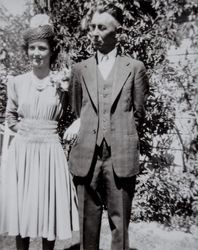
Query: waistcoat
(104, 98)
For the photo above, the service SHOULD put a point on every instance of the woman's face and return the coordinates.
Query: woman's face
(39, 53)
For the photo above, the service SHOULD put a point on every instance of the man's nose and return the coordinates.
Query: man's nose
(95, 32)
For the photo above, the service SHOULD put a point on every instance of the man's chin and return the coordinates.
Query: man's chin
(97, 46)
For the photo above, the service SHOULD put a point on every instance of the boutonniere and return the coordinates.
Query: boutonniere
(60, 79)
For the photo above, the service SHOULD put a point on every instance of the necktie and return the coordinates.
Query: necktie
(104, 66)
(104, 58)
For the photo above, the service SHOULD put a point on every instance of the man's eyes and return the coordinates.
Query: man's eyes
(100, 27)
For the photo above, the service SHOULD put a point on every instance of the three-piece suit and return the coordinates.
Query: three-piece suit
(105, 158)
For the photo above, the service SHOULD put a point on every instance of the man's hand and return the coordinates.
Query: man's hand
(72, 132)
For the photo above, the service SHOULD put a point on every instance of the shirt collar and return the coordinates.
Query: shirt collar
(111, 55)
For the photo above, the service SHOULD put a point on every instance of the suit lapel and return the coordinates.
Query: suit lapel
(89, 71)
(123, 70)
(90, 79)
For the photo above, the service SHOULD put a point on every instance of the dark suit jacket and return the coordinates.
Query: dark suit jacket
(127, 109)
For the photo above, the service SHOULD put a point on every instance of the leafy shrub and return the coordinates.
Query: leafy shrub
(168, 197)
(12, 59)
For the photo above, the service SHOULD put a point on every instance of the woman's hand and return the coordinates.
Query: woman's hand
(72, 132)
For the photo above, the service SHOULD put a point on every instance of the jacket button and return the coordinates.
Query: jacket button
(94, 131)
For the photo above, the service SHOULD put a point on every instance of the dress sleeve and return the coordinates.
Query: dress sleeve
(12, 104)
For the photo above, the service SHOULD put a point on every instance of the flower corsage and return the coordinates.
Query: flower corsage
(60, 79)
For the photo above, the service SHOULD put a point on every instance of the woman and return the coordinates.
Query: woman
(38, 196)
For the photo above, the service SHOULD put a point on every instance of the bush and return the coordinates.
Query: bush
(168, 197)
(13, 60)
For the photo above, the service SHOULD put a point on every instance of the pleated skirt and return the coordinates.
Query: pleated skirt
(38, 197)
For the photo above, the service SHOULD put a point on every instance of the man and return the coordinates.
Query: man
(108, 94)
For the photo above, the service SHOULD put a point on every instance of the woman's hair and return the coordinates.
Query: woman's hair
(41, 29)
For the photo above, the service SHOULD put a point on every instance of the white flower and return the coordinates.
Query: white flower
(60, 79)
(39, 20)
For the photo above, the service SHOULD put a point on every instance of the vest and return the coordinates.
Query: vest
(104, 98)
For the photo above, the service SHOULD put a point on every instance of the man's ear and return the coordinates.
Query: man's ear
(119, 29)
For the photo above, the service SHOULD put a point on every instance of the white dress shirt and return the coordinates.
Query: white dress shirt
(106, 62)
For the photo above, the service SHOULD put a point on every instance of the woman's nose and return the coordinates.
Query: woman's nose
(36, 52)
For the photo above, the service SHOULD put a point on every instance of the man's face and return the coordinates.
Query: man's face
(103, 32)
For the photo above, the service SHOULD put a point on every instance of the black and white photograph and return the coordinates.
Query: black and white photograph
(98, 124)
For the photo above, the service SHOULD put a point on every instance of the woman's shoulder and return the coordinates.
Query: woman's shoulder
(15, 82)
(22, 77)
(17, 79)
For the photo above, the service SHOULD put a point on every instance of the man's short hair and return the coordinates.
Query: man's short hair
(113, 10)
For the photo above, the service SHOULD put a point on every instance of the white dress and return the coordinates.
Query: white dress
(38, 197)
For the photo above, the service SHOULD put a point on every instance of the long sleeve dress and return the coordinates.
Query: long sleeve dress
(38, 197)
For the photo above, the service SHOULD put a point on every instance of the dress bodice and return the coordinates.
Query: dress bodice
(25, 100)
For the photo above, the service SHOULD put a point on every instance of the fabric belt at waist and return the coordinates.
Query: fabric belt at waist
(38, 130)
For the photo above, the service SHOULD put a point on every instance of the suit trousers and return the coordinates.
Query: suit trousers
(103, 189)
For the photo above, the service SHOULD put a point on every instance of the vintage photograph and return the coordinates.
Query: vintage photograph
(98, 124)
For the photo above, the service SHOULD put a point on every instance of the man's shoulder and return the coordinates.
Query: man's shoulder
(81, 64)
(133, 61)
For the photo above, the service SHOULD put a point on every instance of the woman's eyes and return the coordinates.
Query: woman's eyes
(41, 48)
